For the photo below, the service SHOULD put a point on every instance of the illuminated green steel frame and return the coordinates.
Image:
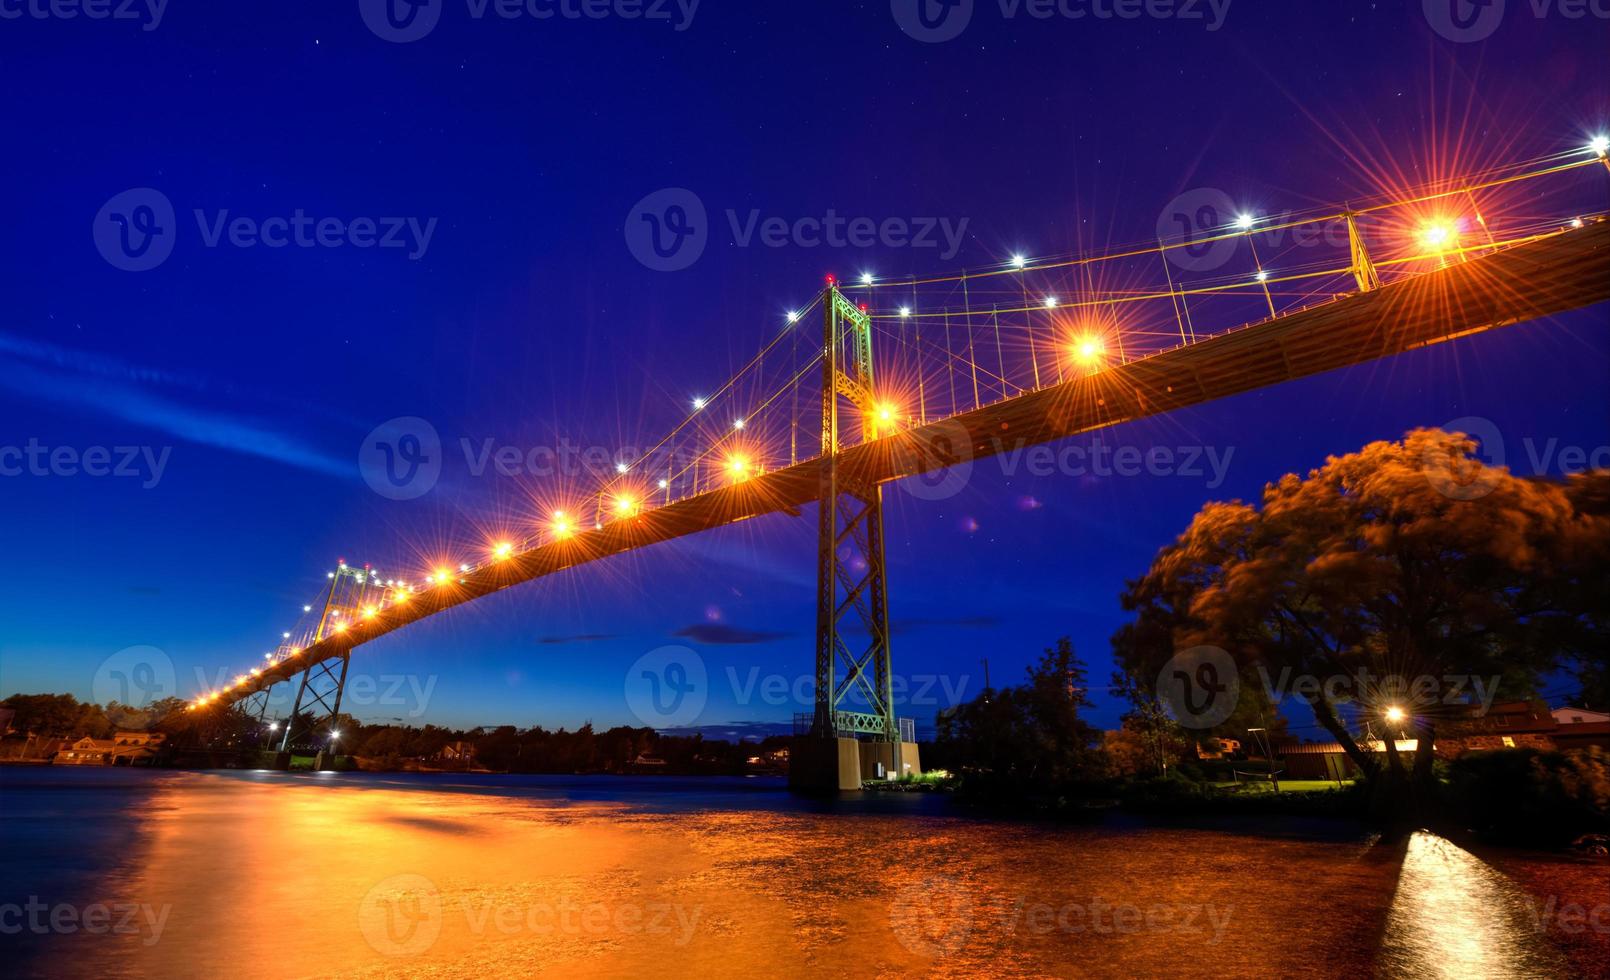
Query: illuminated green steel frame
(318, 695)
(850, 582)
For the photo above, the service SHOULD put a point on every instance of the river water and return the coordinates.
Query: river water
(255, 874)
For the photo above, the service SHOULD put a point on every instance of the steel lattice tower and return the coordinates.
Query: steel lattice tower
(851, 586)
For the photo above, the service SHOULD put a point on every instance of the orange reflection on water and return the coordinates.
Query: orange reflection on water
(1455, 916)
(278, 875)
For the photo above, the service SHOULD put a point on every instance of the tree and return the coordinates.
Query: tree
(1411, 560)
(1028, 741)
(60, 715)
(1149, 741)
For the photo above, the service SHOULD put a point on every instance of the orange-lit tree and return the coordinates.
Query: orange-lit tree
(1407, 561)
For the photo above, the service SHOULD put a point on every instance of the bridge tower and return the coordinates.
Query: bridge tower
(352, 592)
(851, 586)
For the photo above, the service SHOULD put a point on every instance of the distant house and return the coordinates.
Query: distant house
(86, 752)
(1218, 748)
(1580, 716)
(1328, 761)
(461, 752)
(125, 748)
(1510, 725)
(645, 761)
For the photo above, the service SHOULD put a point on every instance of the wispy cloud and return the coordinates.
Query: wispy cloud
(109, 388)
(721, 634)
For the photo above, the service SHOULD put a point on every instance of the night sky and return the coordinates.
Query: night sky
(525, 318)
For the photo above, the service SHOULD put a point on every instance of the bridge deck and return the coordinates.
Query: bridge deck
(1552, 275)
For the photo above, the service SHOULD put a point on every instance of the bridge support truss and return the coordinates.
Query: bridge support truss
(312, 720)
(852, 599)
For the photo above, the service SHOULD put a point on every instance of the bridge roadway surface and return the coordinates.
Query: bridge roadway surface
(1556, 274)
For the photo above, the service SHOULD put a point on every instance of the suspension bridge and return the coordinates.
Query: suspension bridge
(909, 377)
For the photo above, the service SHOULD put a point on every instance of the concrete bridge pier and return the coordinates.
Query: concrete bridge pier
(839, 764)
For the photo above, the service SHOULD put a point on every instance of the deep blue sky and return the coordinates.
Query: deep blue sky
(527, 318)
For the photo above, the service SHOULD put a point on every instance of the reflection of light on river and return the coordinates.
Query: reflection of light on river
(1455, 916)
